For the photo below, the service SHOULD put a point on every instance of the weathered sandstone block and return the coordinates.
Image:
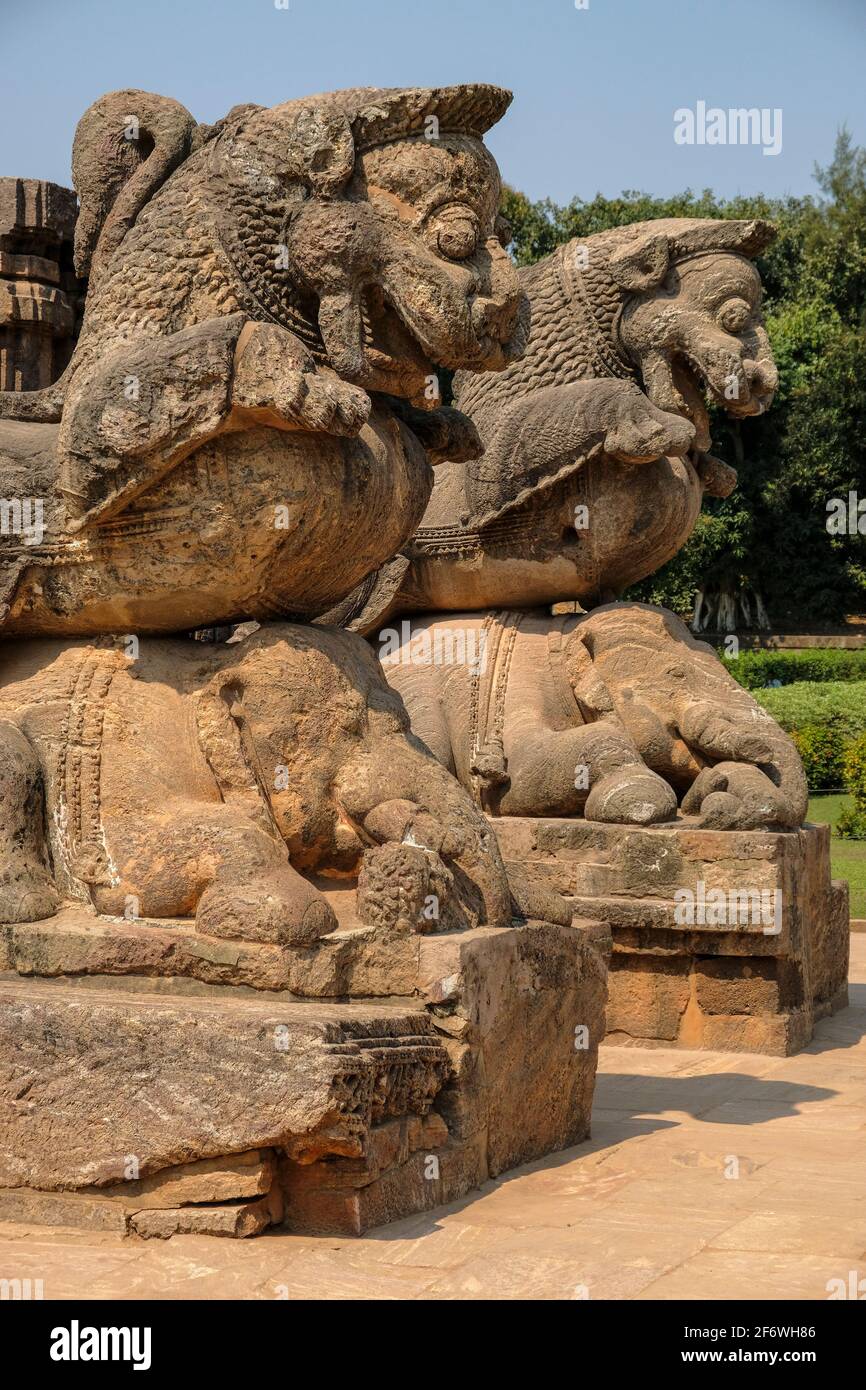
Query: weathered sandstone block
(40, 295)
(521, 1013)
(163, 1104)
(736, 940)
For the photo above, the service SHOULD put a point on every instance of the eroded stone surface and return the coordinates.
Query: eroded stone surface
(209, 782)
(585, 1222)
(754, 979)
(366, 1111)
(269, 300)
(521, 1013)
(40, 295)
(255, 307)
(220, 1076)
(619, 714)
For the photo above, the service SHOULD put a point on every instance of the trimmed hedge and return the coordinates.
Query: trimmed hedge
(823, 719)
(823, 752)
(841, 704)
(756, 670)
(821, 703)
(851, 824)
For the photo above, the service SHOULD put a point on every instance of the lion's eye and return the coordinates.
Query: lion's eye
(455, 233)
(735, 315)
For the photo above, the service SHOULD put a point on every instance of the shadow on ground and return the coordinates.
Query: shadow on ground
(617, 1123)
(844, 1029)
(640, 1096)
(630, 1106)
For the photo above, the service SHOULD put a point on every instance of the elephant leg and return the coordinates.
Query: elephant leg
(27, 891)
(214, 862)
(594, 768)
(279, 906)
(257, 895)
(759, 768)
(688, 717)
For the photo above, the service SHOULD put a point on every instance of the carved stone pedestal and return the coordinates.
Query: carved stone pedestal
(140, 1095)
(730, 940)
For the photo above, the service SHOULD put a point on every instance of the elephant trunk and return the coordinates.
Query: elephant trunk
(787, 772)
(397, 791)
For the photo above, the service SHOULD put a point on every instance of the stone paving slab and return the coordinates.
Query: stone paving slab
(707, 1176)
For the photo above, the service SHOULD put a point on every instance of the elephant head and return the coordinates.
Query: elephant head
(691, 722)
(344, 778)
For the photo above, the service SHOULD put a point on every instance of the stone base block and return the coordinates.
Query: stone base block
(150, 1106)
(354, 961)
(235, 1196)
(729, 940)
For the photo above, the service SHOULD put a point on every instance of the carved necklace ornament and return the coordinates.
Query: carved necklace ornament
(488, 688)
(588, 291)
(77, 811)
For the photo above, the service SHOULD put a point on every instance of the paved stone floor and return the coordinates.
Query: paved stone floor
(707, 1176)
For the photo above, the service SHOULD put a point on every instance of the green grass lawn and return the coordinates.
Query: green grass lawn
(848, 857)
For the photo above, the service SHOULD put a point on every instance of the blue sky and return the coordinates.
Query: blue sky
(595, 89)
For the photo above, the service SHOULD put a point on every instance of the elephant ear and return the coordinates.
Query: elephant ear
(126, 145)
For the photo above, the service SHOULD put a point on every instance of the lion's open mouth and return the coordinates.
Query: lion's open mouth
(697, 387)
(396, 333)
(693, 388)
(389, 342)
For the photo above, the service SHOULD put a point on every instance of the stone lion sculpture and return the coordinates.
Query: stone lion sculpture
(245, 430)
(596, 443)
(241, 431)
(595, 464)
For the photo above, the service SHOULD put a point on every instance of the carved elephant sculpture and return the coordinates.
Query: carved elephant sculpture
(618, 715)
(218, 781)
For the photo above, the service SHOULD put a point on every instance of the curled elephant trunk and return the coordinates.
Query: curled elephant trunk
(788, 765)
(399, 793)
(758, 779)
